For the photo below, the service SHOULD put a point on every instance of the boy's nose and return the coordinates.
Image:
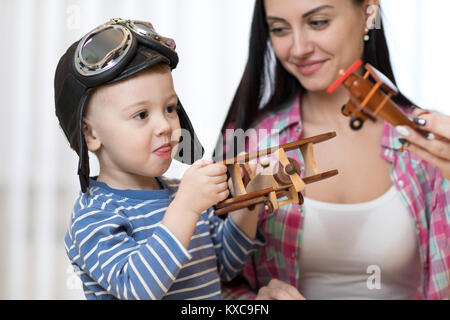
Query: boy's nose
(162, 127)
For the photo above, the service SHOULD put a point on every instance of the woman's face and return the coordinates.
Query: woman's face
(314, 39)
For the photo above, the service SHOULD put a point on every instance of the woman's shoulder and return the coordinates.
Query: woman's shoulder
(280, 115)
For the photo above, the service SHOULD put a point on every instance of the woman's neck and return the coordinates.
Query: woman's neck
(321, 108)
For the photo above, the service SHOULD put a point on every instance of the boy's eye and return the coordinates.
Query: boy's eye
(141, 115)
(171, 109)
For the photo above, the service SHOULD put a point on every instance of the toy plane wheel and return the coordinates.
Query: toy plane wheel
(268, 207)
(356, 123)
(343, 110)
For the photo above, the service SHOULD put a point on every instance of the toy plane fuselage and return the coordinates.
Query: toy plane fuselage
(370, 97)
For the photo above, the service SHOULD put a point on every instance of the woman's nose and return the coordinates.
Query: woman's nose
(301, 45)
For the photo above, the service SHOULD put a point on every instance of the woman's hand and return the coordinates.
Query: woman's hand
(436, 151)
(278, 290)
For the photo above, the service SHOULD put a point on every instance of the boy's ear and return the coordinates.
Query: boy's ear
(90, 136)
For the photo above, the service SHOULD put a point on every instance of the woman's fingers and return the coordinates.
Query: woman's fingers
(292, 291)
(278, 290)
(436, 152)
(419, 112)
(295, 293)
(267, 293)
(435, 123)
(443, 165)
(437, 148)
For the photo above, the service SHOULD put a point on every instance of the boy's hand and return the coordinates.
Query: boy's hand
(203, 185)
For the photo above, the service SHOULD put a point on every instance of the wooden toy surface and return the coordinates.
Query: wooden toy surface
(371, 97)
(279, 180)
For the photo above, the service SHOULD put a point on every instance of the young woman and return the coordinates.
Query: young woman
(378, 230)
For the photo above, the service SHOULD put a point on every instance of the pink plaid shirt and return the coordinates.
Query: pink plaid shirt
(424, 191)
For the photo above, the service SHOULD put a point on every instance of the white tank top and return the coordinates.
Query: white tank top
(359, 251)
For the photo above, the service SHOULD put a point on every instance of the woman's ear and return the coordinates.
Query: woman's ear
(90, 136)
(372, 9)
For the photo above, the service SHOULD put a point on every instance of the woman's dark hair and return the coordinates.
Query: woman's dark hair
(258, 77)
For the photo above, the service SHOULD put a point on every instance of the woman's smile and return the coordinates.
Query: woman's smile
(310, 67)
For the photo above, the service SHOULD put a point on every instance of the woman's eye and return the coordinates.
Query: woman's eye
(318, 23)
(141, 115)
(277, 31)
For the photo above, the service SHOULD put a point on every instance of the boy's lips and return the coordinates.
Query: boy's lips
(163, 151)
(163, 147)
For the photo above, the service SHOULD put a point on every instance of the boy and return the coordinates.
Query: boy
(133, 233)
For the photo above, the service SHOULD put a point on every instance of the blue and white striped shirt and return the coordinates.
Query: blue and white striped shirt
(120, 249)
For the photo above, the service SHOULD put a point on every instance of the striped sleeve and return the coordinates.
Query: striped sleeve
(103, 246)
(232, 245)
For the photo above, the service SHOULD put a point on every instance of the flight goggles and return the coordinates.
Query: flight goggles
(100, 55)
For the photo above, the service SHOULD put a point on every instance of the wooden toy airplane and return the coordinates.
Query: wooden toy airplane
(369, 99)
(279, 183)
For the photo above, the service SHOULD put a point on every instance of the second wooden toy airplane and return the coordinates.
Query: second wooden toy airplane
(279, 183)
(370, 97)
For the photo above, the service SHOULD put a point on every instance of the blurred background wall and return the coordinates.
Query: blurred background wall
(38, 182)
